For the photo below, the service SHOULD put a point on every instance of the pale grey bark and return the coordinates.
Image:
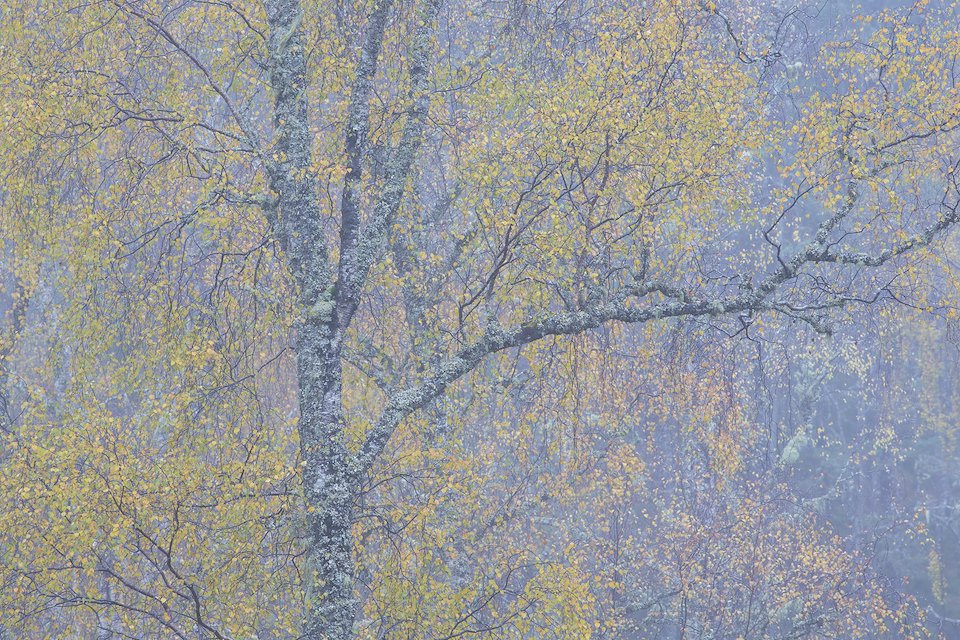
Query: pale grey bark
(331, 476)
(328, 478)
(368, 246)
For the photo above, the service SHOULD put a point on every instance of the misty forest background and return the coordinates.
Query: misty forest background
(494, 319)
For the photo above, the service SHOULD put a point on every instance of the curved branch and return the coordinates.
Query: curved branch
(624, 309)
(497, 338)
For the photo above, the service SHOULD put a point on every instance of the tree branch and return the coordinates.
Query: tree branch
(358, 129)
(291, 177)
(355, 261)
(624, 309)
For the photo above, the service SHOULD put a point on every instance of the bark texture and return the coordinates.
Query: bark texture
(328, 474)
(331, 474)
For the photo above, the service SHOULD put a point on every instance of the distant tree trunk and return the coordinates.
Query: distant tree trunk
(18, 315)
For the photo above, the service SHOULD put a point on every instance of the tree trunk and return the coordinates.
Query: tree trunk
(331, 474)
(329, 485)
(329, 471)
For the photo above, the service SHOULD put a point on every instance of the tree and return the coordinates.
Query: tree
(408, 191)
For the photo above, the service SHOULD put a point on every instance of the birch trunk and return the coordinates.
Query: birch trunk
(329, 478)
(329, 484)
(331, 474)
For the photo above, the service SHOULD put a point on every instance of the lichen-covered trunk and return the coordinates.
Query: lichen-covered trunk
(329, 471)
(331, 474)
(329, 485)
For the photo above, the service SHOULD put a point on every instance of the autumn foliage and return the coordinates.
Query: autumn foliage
(478, 319)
